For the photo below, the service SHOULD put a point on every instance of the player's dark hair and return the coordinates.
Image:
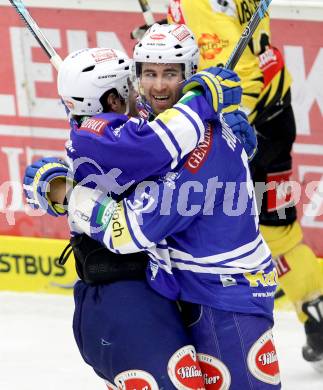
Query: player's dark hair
(104, 99)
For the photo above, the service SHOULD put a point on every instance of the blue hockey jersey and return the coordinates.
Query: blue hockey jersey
(113, 152)
(203, 217)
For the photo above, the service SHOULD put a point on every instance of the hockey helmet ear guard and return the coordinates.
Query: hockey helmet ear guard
(85, 75)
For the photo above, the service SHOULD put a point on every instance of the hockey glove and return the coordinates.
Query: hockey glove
(221, 88)
(238, 122)
(37, 180)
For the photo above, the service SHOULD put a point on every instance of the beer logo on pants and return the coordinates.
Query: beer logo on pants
(135, 380)
(215, 373)
(262, 359)
(184, 370)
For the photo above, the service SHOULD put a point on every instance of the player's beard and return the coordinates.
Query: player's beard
(163, 101)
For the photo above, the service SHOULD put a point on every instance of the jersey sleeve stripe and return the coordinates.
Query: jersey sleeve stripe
(133, 226)
(172, 135)
(194, 118)
(161, 257)
(129, 226)
(183, 130)
(193, 122)
(165, 139)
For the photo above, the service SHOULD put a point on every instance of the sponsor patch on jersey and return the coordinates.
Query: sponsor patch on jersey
(262, 359)
(216, 375)
(281, 265)
(106, 212)
(181, 33)
(262, 278)
(211, 45)
(228, 280)
(199, 155)
(271, 62)
(94, 126)
(279, 190)
(175, 11)
(103, 55)
(135, 380)
(120, 234)
(184, 370)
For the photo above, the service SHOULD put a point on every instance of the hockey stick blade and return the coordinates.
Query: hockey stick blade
(54, 58)
(247, 34)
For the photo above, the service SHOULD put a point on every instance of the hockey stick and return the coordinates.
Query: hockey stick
(148, 16)
(146, 10)
(247, 34)
(54, 58)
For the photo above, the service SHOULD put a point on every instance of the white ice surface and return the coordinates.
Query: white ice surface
(37, 349)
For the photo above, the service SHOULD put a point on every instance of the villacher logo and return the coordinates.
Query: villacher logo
(184, 370)
(262, 359)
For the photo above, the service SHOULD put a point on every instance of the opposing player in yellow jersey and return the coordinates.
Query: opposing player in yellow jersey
(217, 25)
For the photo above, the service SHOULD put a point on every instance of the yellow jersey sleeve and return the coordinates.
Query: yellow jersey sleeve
(217, 26)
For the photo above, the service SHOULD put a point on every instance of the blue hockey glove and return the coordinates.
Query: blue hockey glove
(37, 180)
(221, 88)
(238, 122)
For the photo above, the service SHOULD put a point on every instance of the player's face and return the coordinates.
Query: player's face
(161, 85)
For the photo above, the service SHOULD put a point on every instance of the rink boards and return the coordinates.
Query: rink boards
(31, 265)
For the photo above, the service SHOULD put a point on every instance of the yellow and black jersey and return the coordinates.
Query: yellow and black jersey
(217, 26)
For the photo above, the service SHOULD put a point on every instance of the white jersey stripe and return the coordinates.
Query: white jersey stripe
(237, 252)
(253, 260)
(135, 230)
(166, 141)
(183, 131)
(216, 270)
(194, 116)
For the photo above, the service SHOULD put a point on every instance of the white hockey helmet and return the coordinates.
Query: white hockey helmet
(168, 44)
(85, 75)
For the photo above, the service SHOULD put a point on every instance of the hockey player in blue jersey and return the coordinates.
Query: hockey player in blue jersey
(175, 335)
(199, 225)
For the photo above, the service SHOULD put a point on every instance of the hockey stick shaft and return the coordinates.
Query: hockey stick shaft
(247, 34)
(147, 12)
(54, 58)
(149, 19)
